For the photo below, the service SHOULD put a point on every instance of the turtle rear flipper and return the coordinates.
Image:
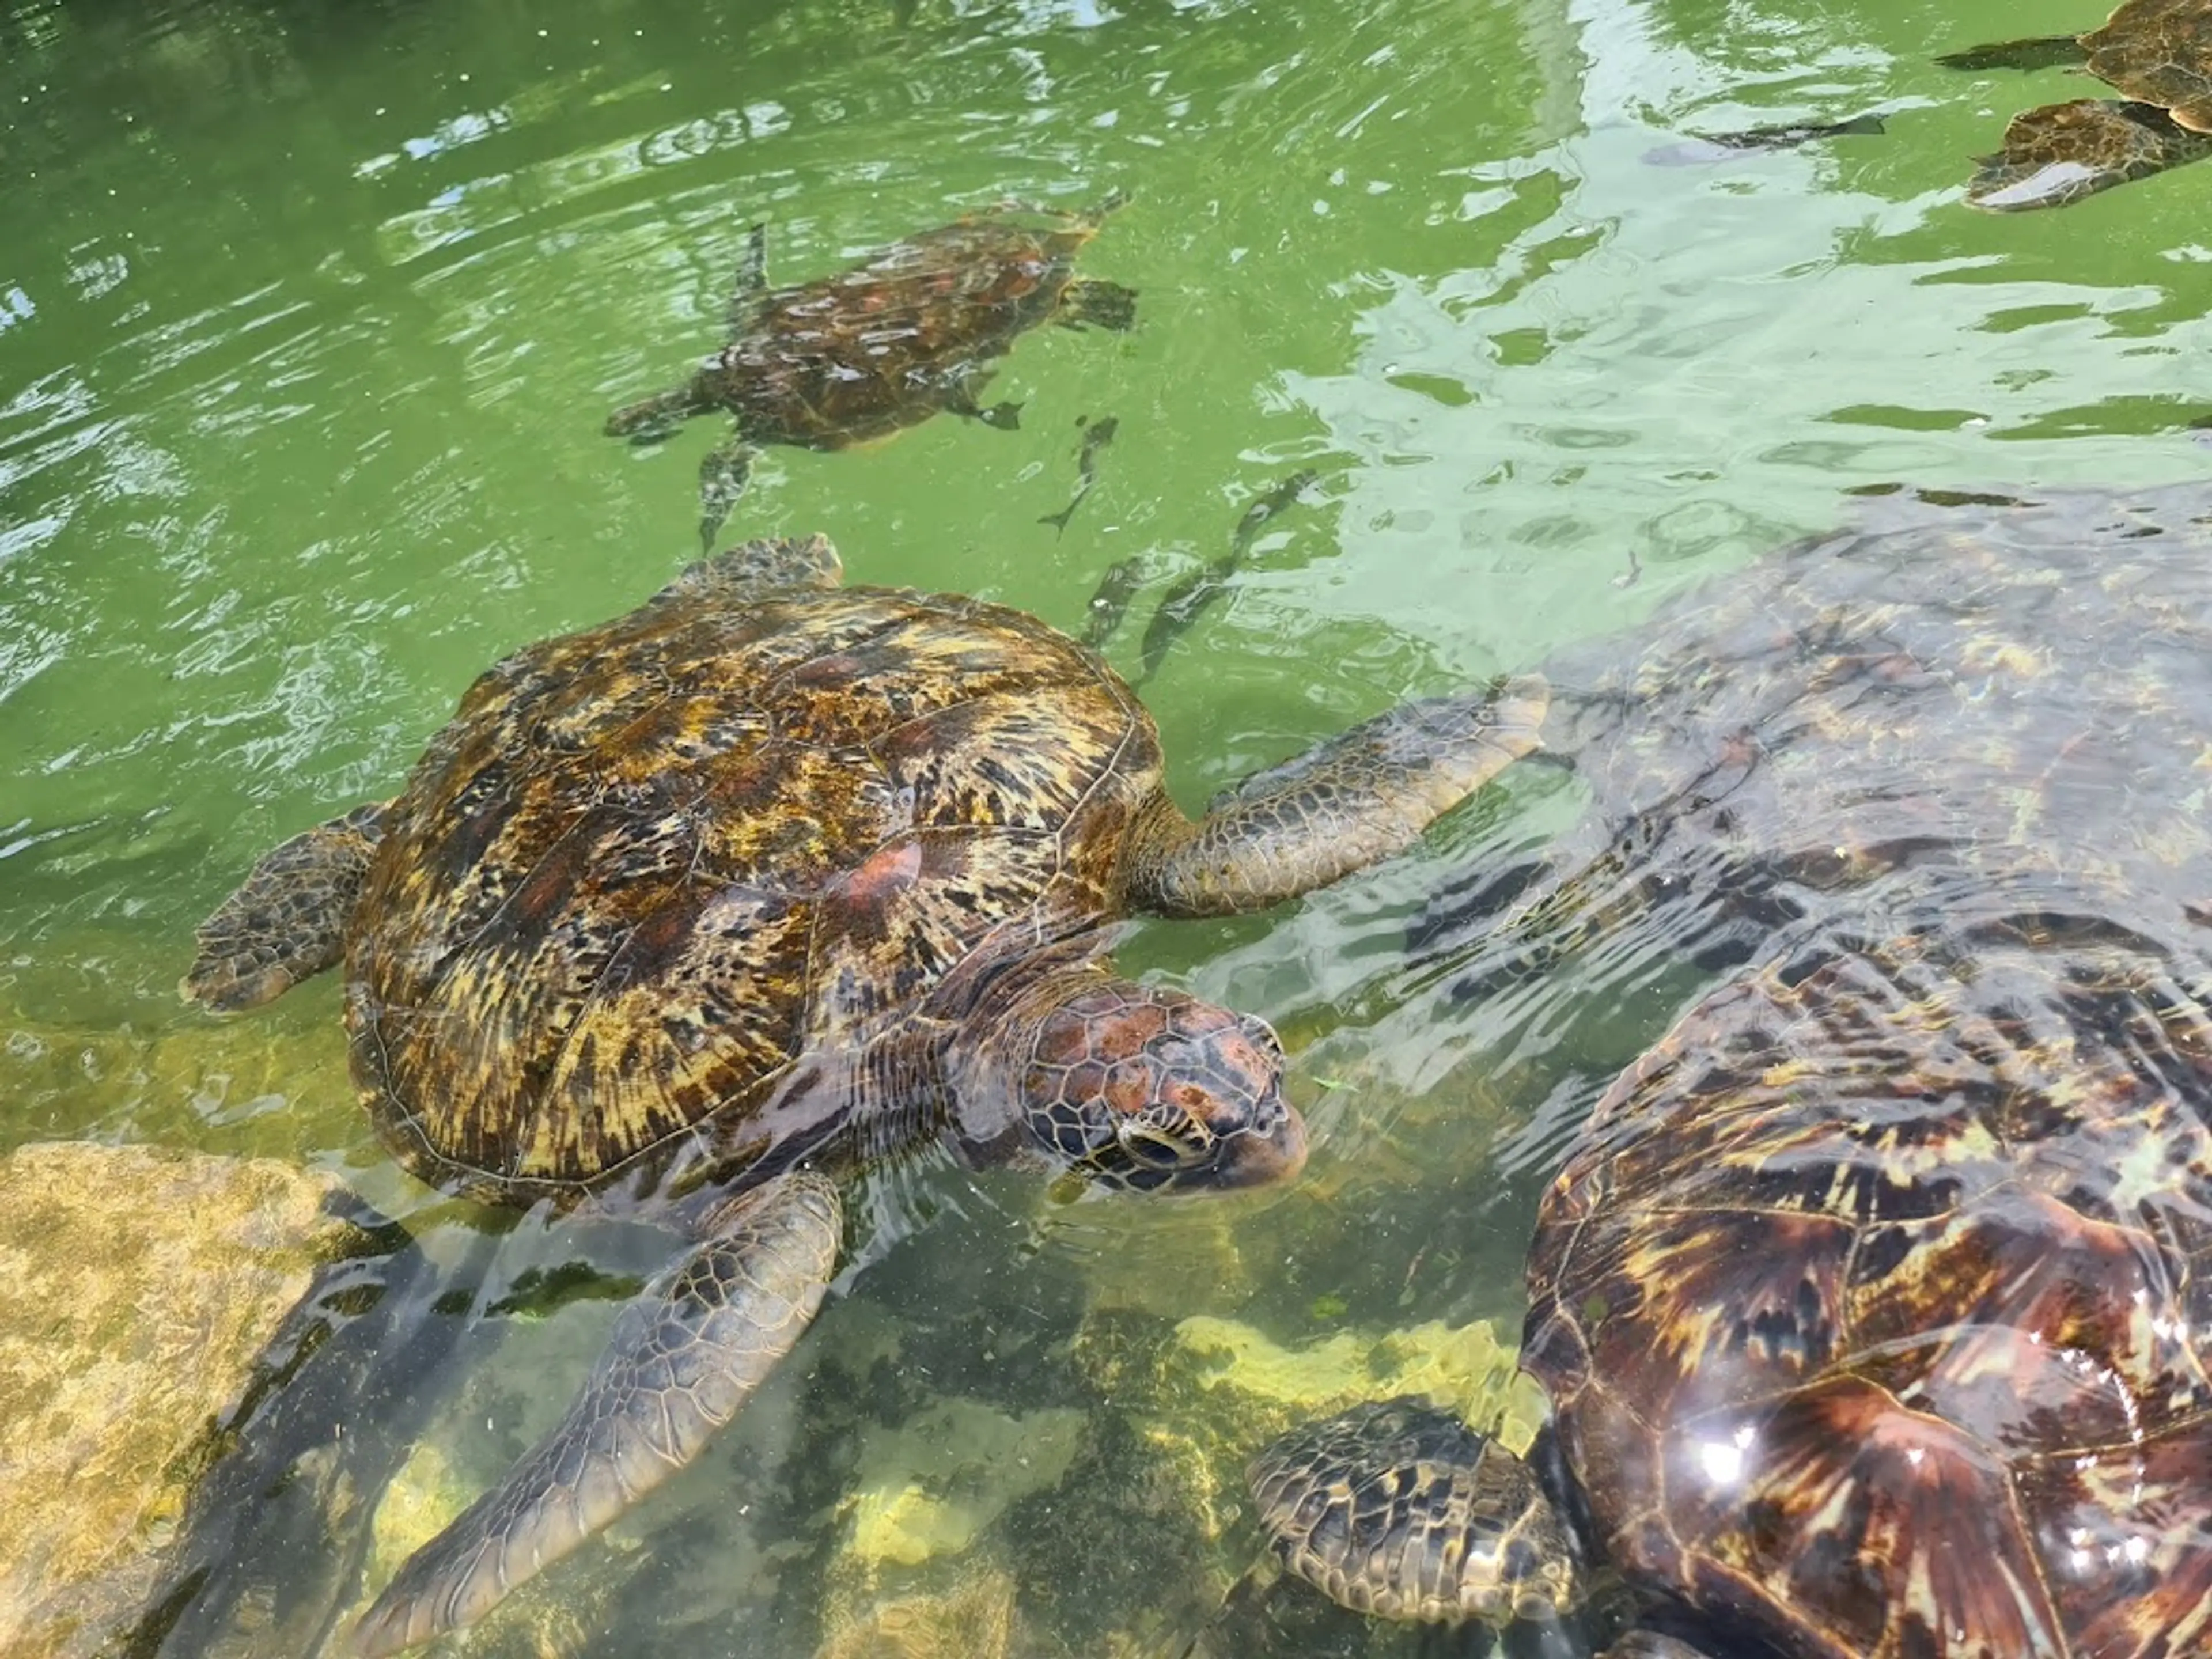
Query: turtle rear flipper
(2042, 51)
(287, 919)
(684, 1356)
(1401, 1511)
(1351, 802)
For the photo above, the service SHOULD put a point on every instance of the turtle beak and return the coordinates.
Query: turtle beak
(1263, 1154)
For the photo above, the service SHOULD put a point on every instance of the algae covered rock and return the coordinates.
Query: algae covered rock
(1462, 1367)
(973, 1618)
(1204, 1396)
(933, 1484)
(137, 1291)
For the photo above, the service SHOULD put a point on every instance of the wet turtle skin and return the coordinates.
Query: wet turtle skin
(693, 914)
(911, 330)
(1874, 1300)
(1397, 1509)
(2156, 53)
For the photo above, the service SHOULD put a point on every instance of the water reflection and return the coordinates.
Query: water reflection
(308, 316)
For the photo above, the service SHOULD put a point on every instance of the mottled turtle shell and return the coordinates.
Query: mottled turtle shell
(1874, 1300)
(649, 867)
(886, 344)
(2161, 53)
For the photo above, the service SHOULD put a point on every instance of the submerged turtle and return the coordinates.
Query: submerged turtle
(697, 910)
(2157, 52)
(1703, 146)
(1874, 1300)
(883, 345)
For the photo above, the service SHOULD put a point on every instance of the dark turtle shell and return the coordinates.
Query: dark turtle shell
(885, 345)
(2159, 51)
(1875, 1300)
(648, 866)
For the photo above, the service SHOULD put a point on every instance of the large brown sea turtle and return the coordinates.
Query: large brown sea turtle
(1874, 1300)
(910, 329)
(2156, 52)
(697, 910)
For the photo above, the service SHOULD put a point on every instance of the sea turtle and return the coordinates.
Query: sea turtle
(1874, 1301)
(2157, 52)
(884, 345)
(689, 913)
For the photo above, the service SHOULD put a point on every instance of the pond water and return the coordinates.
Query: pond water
(309, 315)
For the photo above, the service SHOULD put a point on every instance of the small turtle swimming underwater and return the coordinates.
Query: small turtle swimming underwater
(696, 911)
(2156, 52)
(1874, 1300)
(883, 345)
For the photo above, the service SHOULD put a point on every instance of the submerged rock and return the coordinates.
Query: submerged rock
(946, 1475)
(1462, 1367)
(1216, 1390)
(137, 1291)
(973, 1619)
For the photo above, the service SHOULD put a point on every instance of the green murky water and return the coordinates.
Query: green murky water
(309, 316)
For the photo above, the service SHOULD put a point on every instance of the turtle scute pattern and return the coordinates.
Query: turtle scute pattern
(1874, 1303)
(875, 348)
(1873, 1300)
(2161, 53)
(652, 863)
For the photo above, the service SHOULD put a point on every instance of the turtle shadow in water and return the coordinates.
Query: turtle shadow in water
(274, 1541)
(1191, 595)
(1705, 148)
(2156, 53)
(273, 1532)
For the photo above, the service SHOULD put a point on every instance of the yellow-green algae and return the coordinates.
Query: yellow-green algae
(930, 1486)
(1461, 1368)
(137, 1288)
(972, 1618)
(272, 1087)
(1216, 1390)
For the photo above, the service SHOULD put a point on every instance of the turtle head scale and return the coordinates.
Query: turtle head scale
(1147, 1088)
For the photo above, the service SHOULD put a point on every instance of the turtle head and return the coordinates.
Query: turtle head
(1144, 1087)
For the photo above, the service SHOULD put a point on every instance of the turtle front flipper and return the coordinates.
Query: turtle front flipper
(1397, 1509)
(2060, 152)
(287, 919)
(1351, 802)
(1090, 302)
(684, 1356)
(722, 476)
(652, 420)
